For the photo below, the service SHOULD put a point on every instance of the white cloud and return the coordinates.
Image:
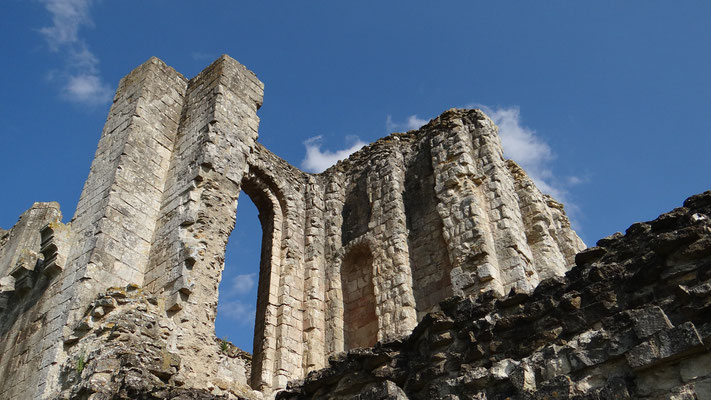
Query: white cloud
(237, 311)
(88, 89)
(318, 160)
(411, 123)
(80, 78)
(242, 284)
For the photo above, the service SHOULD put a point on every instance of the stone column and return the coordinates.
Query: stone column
(333, 219)
(315, 279)
(392, 275)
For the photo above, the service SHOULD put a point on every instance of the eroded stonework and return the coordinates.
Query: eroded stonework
(630, 321)
(355, 255)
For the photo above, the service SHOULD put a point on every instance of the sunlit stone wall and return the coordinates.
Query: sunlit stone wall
(354, 255)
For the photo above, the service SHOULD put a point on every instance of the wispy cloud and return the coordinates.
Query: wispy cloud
(238, 311)
(523, 145)
(411, 123)
(231, 304)
(87, 89)
(318, 160)
(242, 284)
(79, 79)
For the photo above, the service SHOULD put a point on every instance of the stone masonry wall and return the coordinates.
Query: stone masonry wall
(24, 311)
(439, 210)
(630, 321)
(121, 192)
(429, 258)
(218, 128)
(360, 321)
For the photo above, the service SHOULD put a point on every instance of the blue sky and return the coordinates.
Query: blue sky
(605, 103)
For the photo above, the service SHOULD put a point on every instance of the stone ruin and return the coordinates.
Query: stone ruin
(390, 246)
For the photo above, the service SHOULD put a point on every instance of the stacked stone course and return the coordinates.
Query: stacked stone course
(438, 211)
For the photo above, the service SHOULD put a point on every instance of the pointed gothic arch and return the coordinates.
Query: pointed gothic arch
(270, 205)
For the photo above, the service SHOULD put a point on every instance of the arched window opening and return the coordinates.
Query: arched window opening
(246, 291)
(360, 323)
(250, 262)
(236, 305)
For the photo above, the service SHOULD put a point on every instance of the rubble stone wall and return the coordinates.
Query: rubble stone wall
(439, 210)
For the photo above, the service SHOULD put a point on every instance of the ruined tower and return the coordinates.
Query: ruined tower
(352, 256)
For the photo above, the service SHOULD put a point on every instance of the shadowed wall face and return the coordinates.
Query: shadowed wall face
(356, 210)
(360, 320)
(429, 261)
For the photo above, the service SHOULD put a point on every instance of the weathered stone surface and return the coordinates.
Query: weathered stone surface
(352, 256)
(120, 303)
(124, 351)
(639, 328)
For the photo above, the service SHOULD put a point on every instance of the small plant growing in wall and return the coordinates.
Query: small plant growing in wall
(224, 345)
(81, 361)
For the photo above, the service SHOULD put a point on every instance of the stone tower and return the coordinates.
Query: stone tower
(352, 256)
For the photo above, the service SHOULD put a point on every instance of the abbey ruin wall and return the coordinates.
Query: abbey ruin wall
(630, 321)
(353, 256)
